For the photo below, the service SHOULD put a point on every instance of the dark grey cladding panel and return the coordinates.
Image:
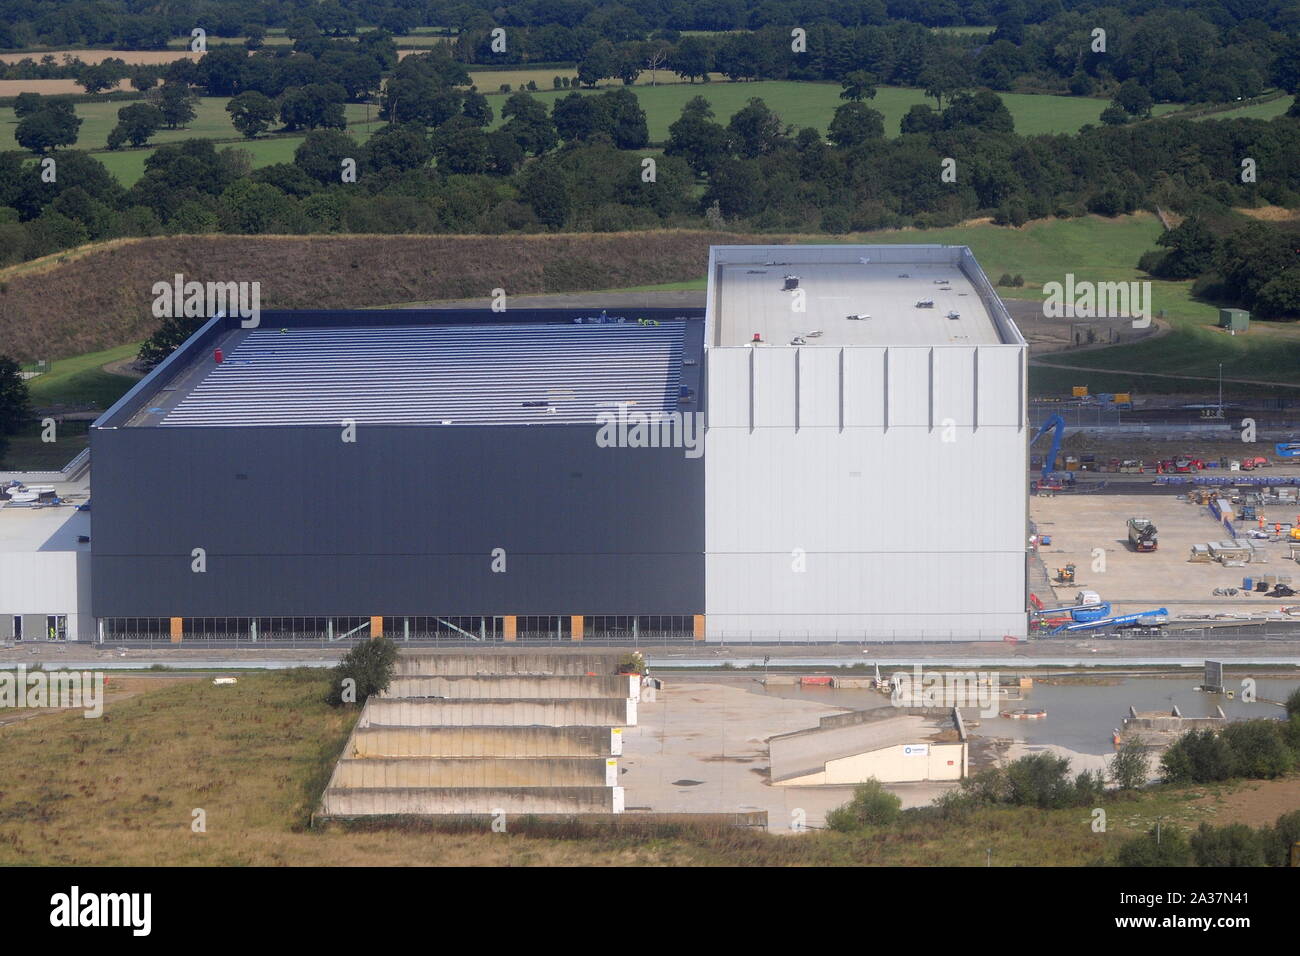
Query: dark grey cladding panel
(295, 521)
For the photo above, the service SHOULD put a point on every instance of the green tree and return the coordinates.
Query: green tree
(858, 86)
(1134, 99)
(54, 125)
(321, 154)
(545, 193)
(177, 103)
(1258, 749)
(696, 138)
(529, 124)
(367, 669)
(853, 124)
(252, 113)
(692, 59)
(135, 124)
(15, 407)
(755, 130)
(1131, 765)
(1192, 248)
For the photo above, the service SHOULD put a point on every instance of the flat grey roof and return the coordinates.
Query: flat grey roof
(53, 528)
(521, 373)
(881, 284)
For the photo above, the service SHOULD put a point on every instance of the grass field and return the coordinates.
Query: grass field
(98, 119)
(813, 104)
(1107, 250)
(81, 380)
(254, 758)
(1260, 111)
(128, 164)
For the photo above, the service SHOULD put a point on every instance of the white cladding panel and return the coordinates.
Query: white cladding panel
(47, 583)
(845, 528)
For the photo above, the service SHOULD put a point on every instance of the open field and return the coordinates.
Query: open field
(128, 164)
(813, 104)
(51, 88)
(90, 57)
(82, 381)
(255, 756)
(212, 122)
(1260, 111)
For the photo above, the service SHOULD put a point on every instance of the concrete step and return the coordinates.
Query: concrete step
(456, 772)
(502, 686)
(487, 742)
(568, 712)
(344, 802)
(446, 663)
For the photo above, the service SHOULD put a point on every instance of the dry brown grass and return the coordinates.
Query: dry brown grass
(98, 296)
(90, 57)
(1271, 213)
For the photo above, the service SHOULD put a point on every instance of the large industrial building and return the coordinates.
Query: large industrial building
(834, 448)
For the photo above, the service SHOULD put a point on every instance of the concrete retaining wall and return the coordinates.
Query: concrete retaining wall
(470, 800)
(520, 688)
(448, 663)
(457, 772)
(508, 713)
(486, 742)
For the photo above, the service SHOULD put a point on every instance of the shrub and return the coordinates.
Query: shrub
(872, 806)
(1283, 835)
(1005, 279)
(633, 663)
(1258, 749)
(370, 665)
(987, 786)
(1232, 845)
(1040, 780)
(1293, 703)
(1171, 850)
(1198, 756)
(1130, 766)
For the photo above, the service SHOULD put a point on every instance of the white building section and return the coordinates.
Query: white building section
(866, 454)
(45, 569)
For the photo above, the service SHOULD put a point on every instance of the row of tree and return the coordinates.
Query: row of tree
(436, 167)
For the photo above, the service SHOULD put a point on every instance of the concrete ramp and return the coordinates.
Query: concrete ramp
(549, 687)
(500, 712)
(447, 663)
(478, 772)
(467, 801)
(486, 742)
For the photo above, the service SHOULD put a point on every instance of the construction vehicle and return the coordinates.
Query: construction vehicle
(1051, 479)
(1144, 622)
(1142, 534)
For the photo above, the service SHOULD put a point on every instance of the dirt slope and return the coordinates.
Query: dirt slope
(100, 296)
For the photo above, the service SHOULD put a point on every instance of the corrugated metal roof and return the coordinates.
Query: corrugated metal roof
(427, 375)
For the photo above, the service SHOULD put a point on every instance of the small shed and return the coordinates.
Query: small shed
(1238, 320)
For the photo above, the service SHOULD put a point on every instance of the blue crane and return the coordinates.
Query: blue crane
(1049, 461)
